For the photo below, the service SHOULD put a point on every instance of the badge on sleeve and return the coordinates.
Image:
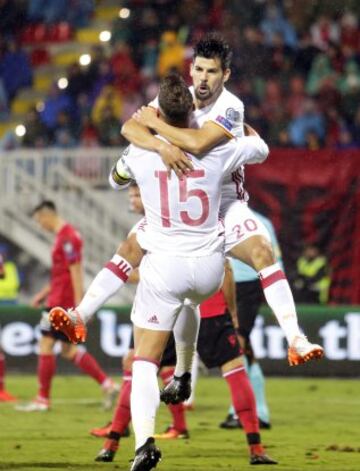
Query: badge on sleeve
(232, 115)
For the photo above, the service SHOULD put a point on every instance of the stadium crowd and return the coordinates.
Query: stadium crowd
(297, 70)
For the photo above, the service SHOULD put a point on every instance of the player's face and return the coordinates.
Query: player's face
(135, 200)
(208, 78)
(43, 219)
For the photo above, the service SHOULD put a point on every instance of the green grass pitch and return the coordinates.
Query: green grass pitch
(309, 416)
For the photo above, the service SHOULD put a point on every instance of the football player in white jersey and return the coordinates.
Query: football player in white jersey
(218, 117)
(184, 260)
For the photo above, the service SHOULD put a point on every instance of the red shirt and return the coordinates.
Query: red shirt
(214, 306)
(66, 251)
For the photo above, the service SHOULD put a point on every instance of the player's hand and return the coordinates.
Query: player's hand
(146, 116)
(175, 159)
(37, 300)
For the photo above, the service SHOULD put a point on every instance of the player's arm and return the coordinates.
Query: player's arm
(140, 135)
(76, 275)
(134, 276)
(229, 291)
(195, 141)
(40, 297)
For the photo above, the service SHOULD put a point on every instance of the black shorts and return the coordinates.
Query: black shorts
(249, 297)
(169, 355)
(47, 329)
(217, 343)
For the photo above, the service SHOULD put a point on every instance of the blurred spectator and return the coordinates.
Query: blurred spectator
(172, 54)
(48, 11)
(37, 134)
(108, 98)
(4, 110)
(55, 102)
(350, 32)
(312, 281)
(350, 78)
(324, 31)
(253, 59)
(275, 23)
(105, 77)
(126, 74)
(88, 135)
(15, 69)
(80, 12)
(78, 81)
(11, 17)
(305, 54)
(321, 69)
(10, 281)
(65, 132)
(109, 128)
(297, 96)
(309, 120)
(355, 127)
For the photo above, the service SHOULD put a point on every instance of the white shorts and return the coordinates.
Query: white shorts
(240, 224)
(165, 283)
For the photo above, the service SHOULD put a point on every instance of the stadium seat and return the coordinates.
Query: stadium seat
(40, 56)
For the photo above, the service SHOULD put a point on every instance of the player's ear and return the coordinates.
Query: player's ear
(227, 74)
(191, 69)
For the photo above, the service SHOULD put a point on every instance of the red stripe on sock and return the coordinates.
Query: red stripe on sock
(271, 279)
(45, 371)
(121, 270)
(122, 414)
(243, 400)
(149, 360)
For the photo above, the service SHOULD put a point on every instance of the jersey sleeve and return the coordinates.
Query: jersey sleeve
(229, 115)
(72, 248)
(246, 150)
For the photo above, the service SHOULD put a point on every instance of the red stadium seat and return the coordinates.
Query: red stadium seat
(40, 56)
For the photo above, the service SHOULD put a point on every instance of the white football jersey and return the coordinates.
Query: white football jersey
(228, 112)
(182, 215)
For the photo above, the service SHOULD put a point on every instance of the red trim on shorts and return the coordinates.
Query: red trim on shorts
(271, 279)
(119, 270)
(157, 363)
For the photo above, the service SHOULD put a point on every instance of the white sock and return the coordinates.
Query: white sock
(194, 377)
(145, 400)
(280, 299)
(105, 284)
(186, 331)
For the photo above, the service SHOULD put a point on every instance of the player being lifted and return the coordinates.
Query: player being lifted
(182, 232)
(217, 117)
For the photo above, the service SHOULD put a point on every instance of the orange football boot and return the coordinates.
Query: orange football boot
(69, 323)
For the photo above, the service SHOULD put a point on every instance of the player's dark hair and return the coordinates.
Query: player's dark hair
(46, 204)
(175, 99)
(212, 46)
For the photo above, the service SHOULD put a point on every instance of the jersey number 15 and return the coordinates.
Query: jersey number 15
(184, 196)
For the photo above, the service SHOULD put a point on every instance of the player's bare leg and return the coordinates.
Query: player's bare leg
(106, 283)
(257, 252)
(243, 400)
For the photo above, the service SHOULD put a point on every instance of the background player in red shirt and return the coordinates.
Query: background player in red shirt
(64, 289)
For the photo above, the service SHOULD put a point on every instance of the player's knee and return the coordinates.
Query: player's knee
(262, 255)
(68, 352)
(46, 345)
